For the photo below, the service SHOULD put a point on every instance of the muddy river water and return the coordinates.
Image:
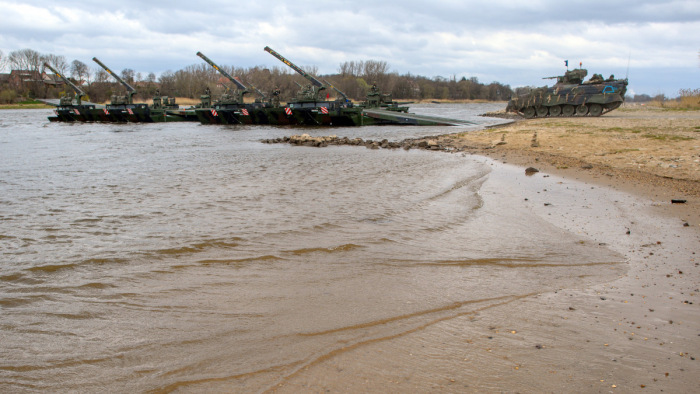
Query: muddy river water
(158, 257)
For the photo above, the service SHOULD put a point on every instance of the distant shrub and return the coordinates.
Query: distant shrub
(8, 96)
(688, 99)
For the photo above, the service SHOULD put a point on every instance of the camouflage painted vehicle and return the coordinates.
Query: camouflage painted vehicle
(377, 99)
(310, 108)
(166, 109)
(122, 108)
(571, 96)
(231, 108)
(71, 109)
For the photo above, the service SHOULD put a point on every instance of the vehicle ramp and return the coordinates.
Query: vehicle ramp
(395, 117)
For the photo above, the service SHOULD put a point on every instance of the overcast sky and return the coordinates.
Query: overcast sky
(512, 42)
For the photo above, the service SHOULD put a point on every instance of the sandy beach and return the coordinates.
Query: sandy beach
(611, 179)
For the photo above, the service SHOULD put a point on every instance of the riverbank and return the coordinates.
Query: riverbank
(26, 106)
(647, 151)
(653, 147)
(637, 333)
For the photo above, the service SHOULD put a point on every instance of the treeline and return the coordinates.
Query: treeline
(354, 78)
(644, 98)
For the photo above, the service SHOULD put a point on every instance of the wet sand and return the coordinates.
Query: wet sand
(638, 333)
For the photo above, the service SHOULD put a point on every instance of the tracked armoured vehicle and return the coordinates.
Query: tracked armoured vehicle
(230, 108)
(68, 109)
(571, 96)
(310, 108)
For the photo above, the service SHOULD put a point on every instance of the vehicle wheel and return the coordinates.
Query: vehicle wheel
(529, 112)
(596, 109)
(568, 110)
(581, 110)
(554, 110)
(542, 111)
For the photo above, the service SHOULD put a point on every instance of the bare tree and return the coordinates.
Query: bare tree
(128, 75)
(3, 61)
(30, 62)
(101, 75)
(25, 59)
(313, 70)
(56, 61)
(80, 71)
(167, 81)
(352, 68)
(374, 69)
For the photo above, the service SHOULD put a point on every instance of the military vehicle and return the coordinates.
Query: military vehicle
(571, 96)
(377, 99)
(231, 108)
(310, 108)
(166, 109)
(68, 109)
(122, 107)
(163, 102)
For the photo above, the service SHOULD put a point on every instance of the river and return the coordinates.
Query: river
(156, 257)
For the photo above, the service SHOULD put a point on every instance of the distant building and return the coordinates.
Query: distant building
(221, 82)
(53, 79)
(18, 79)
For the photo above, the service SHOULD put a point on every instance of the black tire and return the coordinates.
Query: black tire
(554, 110)
(595, 109)
(542, 111)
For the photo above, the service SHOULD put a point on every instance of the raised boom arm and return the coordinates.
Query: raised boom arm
(264, 97)
(345, 96)
(128, 87)
(223, 72)
(77, 89)
(295, 67)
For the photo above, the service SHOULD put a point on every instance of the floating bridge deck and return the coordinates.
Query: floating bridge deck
(414, 119)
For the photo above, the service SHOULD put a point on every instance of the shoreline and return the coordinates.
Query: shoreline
(638, 331)
(635, 333)
(612, 151)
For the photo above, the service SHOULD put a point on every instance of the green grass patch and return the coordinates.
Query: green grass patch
(618, 151)
(636, 130)
(664, 137)
(26, 106)
(613, 129)
(27, 102)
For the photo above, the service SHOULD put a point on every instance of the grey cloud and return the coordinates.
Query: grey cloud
(514, 43)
